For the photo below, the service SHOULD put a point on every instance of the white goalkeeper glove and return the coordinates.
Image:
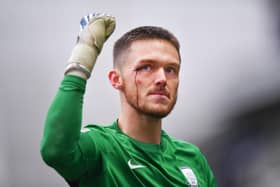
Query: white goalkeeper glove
(95, 30)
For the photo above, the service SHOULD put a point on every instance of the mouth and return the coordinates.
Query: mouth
(162, 94)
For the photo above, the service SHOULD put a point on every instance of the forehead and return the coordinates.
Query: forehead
(152, 50)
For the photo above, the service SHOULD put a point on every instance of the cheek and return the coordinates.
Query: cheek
(138, 79)
(138, 82)
(142, 84)
(132, 83)
(175, 86)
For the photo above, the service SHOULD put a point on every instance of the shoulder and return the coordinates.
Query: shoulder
(94, 127)
(185, 148)
(98, 136)
(98, 129)
(182, 144)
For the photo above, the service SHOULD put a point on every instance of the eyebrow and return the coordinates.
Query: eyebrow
(155, 61)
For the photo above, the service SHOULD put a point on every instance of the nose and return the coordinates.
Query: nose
(160, 77)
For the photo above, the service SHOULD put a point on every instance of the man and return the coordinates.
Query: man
(134, 150)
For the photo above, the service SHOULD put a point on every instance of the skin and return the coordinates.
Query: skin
(147, 81)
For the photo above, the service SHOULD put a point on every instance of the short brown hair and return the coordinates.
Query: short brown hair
(141, 33)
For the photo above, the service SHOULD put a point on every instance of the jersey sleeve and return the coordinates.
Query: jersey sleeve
(63, 147)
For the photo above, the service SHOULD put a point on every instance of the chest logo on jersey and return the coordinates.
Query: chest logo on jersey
(134, 166)
(190, 176)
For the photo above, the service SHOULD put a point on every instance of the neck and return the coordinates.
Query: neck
(141, 127)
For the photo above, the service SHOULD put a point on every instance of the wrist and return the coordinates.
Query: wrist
(85, 55)
(78, 70)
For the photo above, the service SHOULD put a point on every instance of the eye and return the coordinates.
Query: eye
(146, 67)
(171, 70)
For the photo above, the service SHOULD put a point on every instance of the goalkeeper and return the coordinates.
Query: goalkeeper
(133, 150)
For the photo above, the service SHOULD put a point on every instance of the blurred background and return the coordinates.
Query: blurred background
(229, 97)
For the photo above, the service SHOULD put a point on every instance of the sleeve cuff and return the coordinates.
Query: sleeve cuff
(73, 83)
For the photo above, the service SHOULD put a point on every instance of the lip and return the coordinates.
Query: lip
(160, 94)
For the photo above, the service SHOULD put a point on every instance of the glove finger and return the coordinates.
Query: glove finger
(91, 17)
(86, 19)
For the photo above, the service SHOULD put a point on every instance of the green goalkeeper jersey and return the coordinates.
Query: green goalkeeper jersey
(104, 156)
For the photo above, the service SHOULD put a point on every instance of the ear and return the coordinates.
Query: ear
(115, 79)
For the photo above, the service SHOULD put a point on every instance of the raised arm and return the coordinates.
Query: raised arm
(62, 145)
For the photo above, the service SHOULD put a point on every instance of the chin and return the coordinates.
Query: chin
(157, 110)
(156, 113)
